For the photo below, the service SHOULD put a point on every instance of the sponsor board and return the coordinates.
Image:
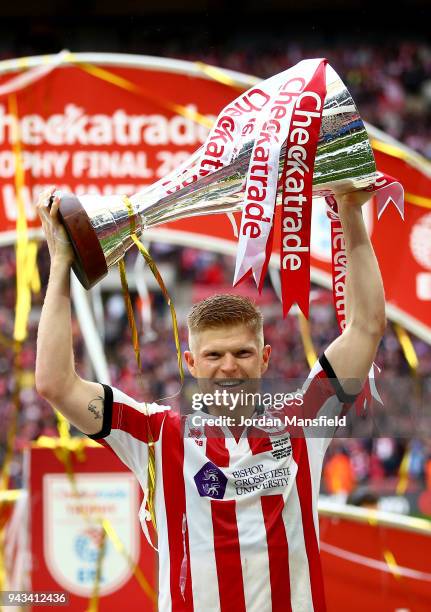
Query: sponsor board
(74, 535)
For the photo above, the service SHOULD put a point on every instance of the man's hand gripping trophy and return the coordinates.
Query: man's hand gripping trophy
(58, 243)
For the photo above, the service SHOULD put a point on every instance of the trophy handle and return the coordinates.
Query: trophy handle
(89, 263)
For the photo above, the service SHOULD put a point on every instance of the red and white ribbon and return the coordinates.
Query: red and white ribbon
(297, 185)
(255, 236)
(387, 189)
(285, 109)
(236, 122)
(339, 267)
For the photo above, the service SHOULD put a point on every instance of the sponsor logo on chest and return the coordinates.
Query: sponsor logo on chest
(268, 472)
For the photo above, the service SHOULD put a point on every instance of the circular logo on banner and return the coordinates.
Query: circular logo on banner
(420, 246)
(420, 241)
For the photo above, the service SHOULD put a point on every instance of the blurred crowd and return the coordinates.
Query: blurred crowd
(394, 450)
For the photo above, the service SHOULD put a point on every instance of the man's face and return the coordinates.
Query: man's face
(227, 353)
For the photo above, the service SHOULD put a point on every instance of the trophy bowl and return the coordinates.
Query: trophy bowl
(100, 227)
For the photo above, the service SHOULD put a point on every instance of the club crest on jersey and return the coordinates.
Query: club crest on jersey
(210, 481)
(196, 434)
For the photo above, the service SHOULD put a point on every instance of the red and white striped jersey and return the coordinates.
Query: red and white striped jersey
(237, 519)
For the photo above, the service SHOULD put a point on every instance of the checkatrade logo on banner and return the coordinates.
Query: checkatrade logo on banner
(76, 149)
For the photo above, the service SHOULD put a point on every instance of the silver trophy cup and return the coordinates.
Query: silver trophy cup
(100, 227)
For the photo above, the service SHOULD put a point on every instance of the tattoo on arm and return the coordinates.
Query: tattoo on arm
(93, 408)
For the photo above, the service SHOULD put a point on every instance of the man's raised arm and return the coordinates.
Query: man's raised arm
(353, 352)
(80, 401)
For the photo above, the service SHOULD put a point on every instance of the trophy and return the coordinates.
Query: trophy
(100, 228)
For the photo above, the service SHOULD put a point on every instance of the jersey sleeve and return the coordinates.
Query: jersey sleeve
(328, 383)
(323, 399)
(128, 426)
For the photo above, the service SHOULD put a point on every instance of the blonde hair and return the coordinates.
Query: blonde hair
(222, 310)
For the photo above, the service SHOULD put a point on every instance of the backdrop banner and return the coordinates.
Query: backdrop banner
(374, 565)
(111, 124)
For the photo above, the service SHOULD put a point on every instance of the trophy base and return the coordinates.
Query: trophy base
(89, 264)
